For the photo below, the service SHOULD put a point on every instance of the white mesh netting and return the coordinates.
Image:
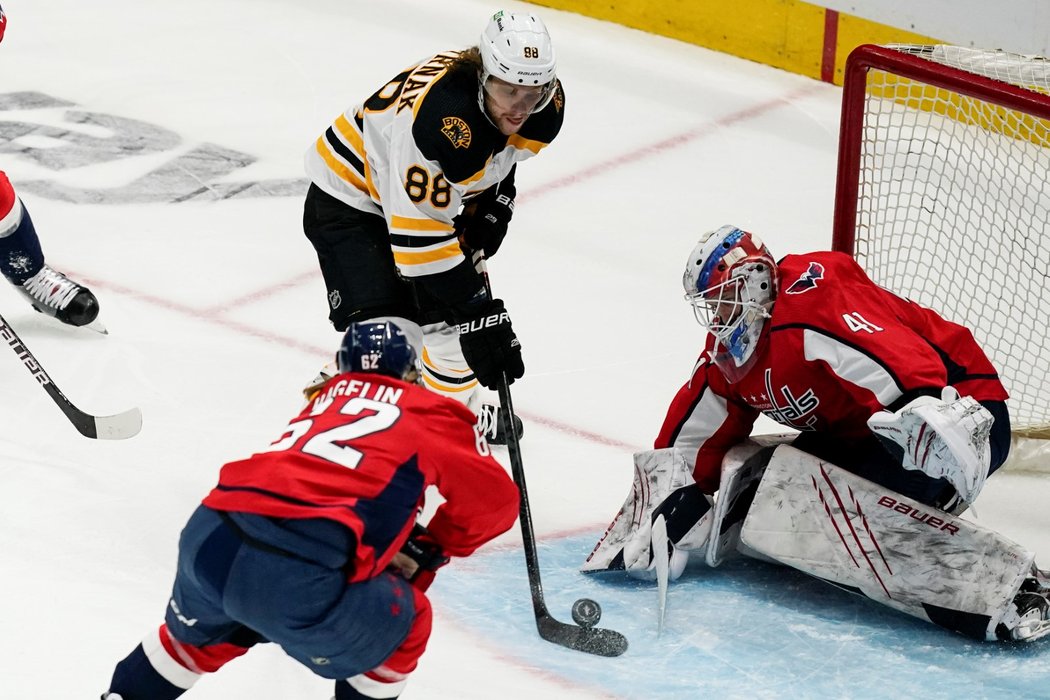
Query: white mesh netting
(954, 211)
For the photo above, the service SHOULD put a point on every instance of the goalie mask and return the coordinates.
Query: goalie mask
(382, 346)
(730, 281)
(516, 49)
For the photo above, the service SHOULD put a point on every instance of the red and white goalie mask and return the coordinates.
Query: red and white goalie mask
(731, 282)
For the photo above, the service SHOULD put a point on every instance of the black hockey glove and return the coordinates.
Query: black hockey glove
(483, 223)
(489, 344)
(486, 227)
(426, 554)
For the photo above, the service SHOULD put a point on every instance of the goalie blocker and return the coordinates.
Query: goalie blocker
(663, 486)
(815, 517)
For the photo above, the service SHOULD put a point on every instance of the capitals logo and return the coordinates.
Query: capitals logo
(808, 280)
(457, 131)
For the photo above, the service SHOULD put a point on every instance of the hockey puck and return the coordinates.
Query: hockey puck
(586, 612)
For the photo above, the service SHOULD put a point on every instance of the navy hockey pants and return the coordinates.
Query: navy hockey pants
(225, 585)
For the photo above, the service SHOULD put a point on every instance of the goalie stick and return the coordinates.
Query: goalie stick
(661, 558)
(591, 640)
(118, 427)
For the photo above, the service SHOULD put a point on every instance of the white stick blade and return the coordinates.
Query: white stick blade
(119, 427)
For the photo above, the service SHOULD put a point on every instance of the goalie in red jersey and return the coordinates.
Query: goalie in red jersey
(814, 344)
(900, 416)
(313, 544)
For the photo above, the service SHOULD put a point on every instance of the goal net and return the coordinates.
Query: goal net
(943, 196)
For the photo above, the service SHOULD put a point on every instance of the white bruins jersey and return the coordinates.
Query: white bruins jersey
(416, 150)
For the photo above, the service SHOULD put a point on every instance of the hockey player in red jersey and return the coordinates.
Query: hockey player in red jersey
(312, 543)
(900, 417)
(22, 260)
(408, 185)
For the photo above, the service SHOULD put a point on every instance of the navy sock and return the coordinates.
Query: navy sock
(136, 679)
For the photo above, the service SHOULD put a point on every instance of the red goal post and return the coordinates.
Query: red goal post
(943, 196)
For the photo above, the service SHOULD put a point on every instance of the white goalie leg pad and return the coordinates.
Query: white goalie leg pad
(829, 523)
(663, 484)
(741, 470)
(945, 438)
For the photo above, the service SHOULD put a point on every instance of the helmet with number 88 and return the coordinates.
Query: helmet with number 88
(731, 282)
(386, 346)
(516, 48)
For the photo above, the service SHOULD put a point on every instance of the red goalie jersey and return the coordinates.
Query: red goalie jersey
(838, 349)
(362, 453)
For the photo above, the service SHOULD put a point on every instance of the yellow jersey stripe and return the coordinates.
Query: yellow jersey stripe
(476, 176)
(346, 173)
(429, 364)
(523, 144)
(421, 257)
(351, 134)
(412, 224)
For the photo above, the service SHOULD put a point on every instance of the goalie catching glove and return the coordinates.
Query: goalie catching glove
(945, 438)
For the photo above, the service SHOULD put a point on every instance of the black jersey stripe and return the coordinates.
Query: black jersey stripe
(343, 151)
(422, 241)
(446, 378)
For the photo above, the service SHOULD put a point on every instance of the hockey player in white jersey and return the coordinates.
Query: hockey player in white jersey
(901, 418)
(412, 183)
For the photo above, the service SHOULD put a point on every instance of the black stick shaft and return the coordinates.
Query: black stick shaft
(528, 536)
(592, 640)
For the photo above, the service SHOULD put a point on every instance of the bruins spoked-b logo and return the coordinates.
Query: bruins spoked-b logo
(457, 131)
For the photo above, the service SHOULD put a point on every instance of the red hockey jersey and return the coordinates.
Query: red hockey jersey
(10, 207)
(362, 453)
(837, 349)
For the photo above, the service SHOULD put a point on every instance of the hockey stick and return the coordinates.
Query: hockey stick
(118, 427)
(589, 639)
(661, 556)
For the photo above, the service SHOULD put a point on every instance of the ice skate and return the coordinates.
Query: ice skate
(1028, 621)
(490, 425)
(52, 293)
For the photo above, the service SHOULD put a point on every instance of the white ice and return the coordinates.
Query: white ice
(216, 309)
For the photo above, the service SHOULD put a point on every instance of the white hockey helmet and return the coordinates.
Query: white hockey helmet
(516, 48)
(730, 281)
